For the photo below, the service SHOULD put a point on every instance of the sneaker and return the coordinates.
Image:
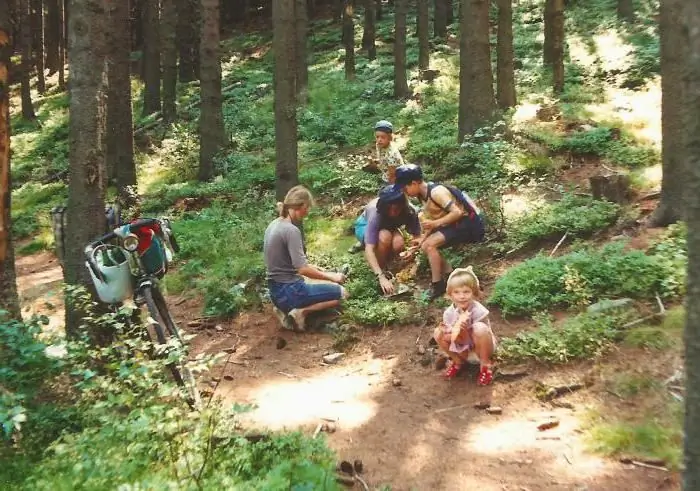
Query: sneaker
(280, 316)
(356, 247)
(296, 320)
(437, 289)
(485, 376)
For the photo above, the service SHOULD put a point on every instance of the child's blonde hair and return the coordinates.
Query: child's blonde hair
(297, 197)
(462, 277)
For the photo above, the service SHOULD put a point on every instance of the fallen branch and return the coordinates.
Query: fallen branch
(361, 481)
(443, 410)
(317, 430)
(638, 463)
(556, 247)
(288, 375)
(553, 392)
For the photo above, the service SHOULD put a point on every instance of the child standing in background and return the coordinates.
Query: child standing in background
(386, 157)
(465, 326)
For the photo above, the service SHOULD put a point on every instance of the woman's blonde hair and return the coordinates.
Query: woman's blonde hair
(462, 277)
(297, 197)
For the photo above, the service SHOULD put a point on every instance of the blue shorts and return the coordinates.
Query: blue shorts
(299, 294)
(360, 226)
(465, 231)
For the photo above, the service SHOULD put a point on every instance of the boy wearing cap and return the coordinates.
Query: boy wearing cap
(386, 157)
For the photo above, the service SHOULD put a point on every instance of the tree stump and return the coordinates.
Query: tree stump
(615, 187)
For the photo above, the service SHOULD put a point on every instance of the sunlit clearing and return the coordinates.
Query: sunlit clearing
(341, 394)
(519, 204)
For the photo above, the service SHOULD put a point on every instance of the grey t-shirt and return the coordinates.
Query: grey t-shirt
(283, 249)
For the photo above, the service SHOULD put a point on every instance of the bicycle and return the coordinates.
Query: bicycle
(134, 268)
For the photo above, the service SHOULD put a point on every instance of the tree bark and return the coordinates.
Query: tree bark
(369, 35)
(187, 38)
(302, 62)
(400, 80)
(476, 98)
(168, 29)
(120, 138)
(625, 10)
(349, 40)
(86, 217)
(211, 119)
(440, 19)
(9, 300)
(547, 47)
(283, 43)
(52, 29)
(670, 207)
(422, 22)
(25, 34)
(151, 57)
(449, 12)
(558, 46)
(505, 65)
(62, 37)
(691, 440)
(37, 22)
(379, 10)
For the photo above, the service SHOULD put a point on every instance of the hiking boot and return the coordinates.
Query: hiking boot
(437, 289)
(281, 317)
(296, 320)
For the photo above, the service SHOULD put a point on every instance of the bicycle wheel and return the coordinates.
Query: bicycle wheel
(165, 328)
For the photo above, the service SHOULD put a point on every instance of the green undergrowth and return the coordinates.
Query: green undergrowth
(589, 274)
(668, 334)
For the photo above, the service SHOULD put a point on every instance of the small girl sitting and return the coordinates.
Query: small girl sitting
(465, 326)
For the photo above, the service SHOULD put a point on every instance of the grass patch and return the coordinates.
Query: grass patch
(669, 334)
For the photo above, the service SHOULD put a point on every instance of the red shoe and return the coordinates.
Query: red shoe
(452, 371)
(485, 376)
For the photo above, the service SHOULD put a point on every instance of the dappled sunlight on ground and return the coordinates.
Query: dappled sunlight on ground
(40, 288)
(343, 393)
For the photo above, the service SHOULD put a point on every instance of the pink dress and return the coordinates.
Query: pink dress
(478, 312)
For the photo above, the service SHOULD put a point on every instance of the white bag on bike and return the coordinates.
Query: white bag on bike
(116, 284)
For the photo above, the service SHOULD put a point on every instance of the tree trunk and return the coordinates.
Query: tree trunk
(211, 119)
(168, 29)
(558, 46)
(449, 13)
(476, 98)
(9, 300)
(187, 38)
(26, 44)
(51, 33)
(378, 10)
(505, 64)
(440, 19)
(400, 80)
(302, 62)
(120, 138)
(625, 10)
(422, 22)
(283, 44)
(670, 208)
(62, 37)
(86, 217)
(691, 441)
(37, 21)
(151, 57)
(349, 40)
(548, 47)
(369, 34)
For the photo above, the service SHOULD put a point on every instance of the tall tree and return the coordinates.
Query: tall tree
(151, 57)
(61, 45)
(691, 440)
(476, 98)
(211, 119)
(52, 29)
(188, 39)
(369, 35)
(86, 217)
(440, 19)
(505, 83)
(349, 40)
(25, 35)
(302, 69)
(9, 300)
(556, 31)
(168, 29)
(119, 140)
(400, 79)
(671, 205)
(625, 10)
(547, 47)
(449, 12)
(422, 20)
(379, 10)
(37, 22)
(283, 44)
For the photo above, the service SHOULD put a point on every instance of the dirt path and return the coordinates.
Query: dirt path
(40, 288)
(412, 429)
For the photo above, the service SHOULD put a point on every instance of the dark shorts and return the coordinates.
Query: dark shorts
(299, 294)
(466, 231)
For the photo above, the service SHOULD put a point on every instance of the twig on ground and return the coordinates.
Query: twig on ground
(445, 409)
(361, 481)
(567, 458)
(643, 464)
(556, 247)
(318, 429)
(288, 375)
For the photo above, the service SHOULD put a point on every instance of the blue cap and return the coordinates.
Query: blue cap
(384, 126)
(389, 194)
(406, 174)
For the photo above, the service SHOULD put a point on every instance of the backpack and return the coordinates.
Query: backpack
(462, 197)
